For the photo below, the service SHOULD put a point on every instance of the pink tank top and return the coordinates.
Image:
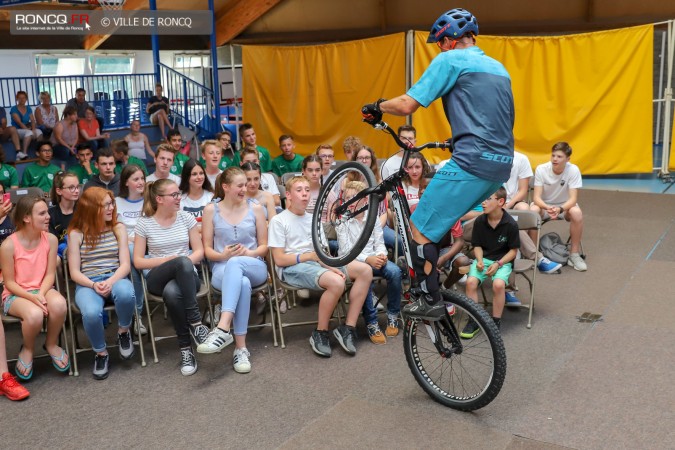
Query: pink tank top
(30, 266)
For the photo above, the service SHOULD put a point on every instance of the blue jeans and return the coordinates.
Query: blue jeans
(235, 278)
(138, 284)
(390, 239)
(392, 273)
(62, 154)
(91, 305)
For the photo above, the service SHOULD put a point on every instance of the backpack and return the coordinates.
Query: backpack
(553, 247)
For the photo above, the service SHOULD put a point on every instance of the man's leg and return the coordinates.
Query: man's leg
(576, 220)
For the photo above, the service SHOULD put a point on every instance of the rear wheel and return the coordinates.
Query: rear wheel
(333, 210)
(463, 374)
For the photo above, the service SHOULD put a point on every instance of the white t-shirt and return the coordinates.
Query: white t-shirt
(128, 212)
(172, 177)
(269, 184)
(521, 169)
(171, 241)
(291, 232)
(195, 207)
(391, 165)
(412, 194)
(212, 178)
(555, 188)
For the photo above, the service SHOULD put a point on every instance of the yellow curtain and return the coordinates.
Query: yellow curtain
(592, 90)
(315, 93)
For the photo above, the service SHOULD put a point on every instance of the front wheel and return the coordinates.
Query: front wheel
(340, 207)
(463, 374)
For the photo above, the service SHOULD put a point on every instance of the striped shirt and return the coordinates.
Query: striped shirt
(102, 259)
(173, 240)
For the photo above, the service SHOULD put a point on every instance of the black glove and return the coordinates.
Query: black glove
(372, 113)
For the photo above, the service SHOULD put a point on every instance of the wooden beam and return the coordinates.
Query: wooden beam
(239, 15)
(94, 41)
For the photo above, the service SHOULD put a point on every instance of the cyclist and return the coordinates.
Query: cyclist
(478, 103)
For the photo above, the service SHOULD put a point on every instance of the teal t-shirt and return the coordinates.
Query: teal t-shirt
(82, 175)
(8, 176)
(281, 165)
(36, 175)
(132, 160)
(265, 159)
(178, 163)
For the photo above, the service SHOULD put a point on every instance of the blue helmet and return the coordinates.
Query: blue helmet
(453, 24)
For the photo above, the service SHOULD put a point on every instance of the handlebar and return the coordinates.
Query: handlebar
(385, 127)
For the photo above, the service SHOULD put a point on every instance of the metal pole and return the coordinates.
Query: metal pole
(668, 96)
(234, 93)
(214, 65)
(154, 39)
(409, 65)
(659, 107)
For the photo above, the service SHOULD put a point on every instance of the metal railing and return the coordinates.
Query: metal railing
(117, 98)
(192, 102)
(121, 98)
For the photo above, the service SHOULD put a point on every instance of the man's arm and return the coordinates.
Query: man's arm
(521, 195)
(402, 105)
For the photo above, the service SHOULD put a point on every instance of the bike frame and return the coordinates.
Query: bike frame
(394, 186)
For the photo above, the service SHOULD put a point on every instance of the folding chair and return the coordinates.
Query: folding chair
(527, 268)
(17, 193)
(63, 337)
(72, 308)
(278, 283)
(287, 176)
(266, 286)
(204, 292)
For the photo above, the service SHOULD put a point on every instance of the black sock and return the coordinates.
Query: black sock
(426, 256)
(497, 321)
(224, 330)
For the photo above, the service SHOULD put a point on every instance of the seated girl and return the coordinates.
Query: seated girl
(235, 241)
(196, 189)
(129, 210)
(98, 258)
(174, 246)
(28, 261)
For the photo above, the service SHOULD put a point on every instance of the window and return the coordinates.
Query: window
(106, 65)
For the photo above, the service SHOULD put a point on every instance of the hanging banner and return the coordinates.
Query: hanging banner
(592, 90)
(315, 93)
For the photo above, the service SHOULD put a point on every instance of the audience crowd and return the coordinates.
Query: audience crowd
(110, 223)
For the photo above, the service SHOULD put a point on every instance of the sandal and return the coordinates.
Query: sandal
(28, 367)
(59, 358)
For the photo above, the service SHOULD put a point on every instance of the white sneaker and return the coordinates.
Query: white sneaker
(577, 262)
(215, 341)
(240, 360)
(21, 155)
(303, 293)
(188, 362)
(140, 330)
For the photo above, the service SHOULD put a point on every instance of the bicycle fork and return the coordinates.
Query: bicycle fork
(443, 328)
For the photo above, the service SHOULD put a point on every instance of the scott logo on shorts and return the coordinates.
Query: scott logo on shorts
(503, 159)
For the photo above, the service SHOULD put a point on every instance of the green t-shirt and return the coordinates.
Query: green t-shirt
(82, 174)
(281, 165)
(36, 175)
(132, 160)
(265, 159)
(178, 163)
(8, 176)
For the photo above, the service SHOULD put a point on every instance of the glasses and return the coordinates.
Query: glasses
(71, 188)
(174, 195)
(109, 205)
(326, 156)
(364, 158)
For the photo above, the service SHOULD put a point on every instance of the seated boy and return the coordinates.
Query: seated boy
(85, 170)
(290, 239)
(495, 240)
(120, 149)
(556, 188)
(375, 255)
(451, 258)
(41, 173)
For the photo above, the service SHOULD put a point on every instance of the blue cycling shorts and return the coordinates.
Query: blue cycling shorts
(451, 193)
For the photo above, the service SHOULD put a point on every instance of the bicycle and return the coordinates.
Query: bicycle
(462, 375)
